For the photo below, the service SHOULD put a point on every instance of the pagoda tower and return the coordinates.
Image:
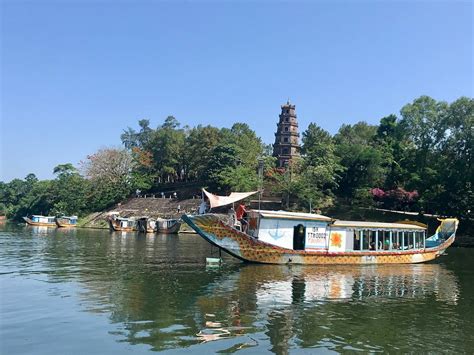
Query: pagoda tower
(286, 145)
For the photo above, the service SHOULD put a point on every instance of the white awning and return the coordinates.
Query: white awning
(217, 201)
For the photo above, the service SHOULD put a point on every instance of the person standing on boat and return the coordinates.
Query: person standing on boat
(231, 215)
(203, 207)
(241, 215)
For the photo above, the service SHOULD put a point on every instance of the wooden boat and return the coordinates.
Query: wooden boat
(66, 221)
(167, 226)
(278, 237)
(121, 224)
(146, 225)
(37, 220)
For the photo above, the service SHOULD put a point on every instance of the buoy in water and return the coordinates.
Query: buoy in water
(213, 261)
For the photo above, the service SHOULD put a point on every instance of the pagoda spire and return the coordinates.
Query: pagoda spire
(286, 146)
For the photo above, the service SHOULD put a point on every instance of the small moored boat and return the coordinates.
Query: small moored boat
(66, 221)
(38, 220)
(121, 224)
(167, 226)
(146, 225)
(279, 237)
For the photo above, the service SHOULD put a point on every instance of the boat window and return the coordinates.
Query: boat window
(356, 240)
(419, 240)
(408, 240)
(373, 240)
(384, 237)
(365, 240)
(396, 236)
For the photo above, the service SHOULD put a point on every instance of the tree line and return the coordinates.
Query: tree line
(420, 160)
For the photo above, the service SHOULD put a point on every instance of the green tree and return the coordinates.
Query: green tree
(167, 144)
(70, 190)
(364, 164)
(249, 146)
(200, 144)
(457, 150)
(321, 168)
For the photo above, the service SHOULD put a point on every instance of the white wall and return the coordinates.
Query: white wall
(280, 231)
(337, 234)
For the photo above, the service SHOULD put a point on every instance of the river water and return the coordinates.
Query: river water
(95, 292)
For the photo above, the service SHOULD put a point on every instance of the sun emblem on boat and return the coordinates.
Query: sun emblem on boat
(336, 240)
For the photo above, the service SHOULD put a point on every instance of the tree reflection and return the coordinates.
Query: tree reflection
(156, 290)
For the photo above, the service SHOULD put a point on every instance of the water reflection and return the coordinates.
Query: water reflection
(283, 298)
(156, 290)
(346, 284)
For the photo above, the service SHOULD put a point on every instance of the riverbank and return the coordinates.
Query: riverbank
(154, 207)
(138, 207)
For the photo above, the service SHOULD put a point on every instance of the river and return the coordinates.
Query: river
(96, 292)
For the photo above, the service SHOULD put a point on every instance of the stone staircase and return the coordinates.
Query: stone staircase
(141, 206)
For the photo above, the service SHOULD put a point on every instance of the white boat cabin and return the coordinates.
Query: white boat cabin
(43, 219)
(312, 232)
(72, 219)
(126, 222)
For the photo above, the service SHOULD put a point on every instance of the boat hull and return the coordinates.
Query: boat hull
(249, 249)
(174, 229)
(64, 223)
(117, 228)
(38, 224)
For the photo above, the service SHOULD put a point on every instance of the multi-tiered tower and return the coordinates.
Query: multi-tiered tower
(286, 145)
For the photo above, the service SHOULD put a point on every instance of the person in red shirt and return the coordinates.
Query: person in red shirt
(240, 212)
(241, 215)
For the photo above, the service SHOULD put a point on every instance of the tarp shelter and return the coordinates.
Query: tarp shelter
(217, 201)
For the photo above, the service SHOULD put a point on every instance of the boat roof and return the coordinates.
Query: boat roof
(380, 225)
(293, 215)
(38, 215)
(126, 218)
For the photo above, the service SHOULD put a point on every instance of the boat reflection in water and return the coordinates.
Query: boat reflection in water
(355, 284)
(285, 302)
(39, 230)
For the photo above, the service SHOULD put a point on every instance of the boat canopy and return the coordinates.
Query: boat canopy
(131, 219)
(217, 201)
(292, 215)
(377, 225)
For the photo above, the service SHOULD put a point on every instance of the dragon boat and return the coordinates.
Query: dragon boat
(280, 237)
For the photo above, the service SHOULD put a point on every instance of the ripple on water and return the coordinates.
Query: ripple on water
(96, 290)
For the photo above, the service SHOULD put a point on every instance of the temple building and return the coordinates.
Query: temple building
(286, 145)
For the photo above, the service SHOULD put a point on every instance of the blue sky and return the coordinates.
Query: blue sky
(74, 74)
